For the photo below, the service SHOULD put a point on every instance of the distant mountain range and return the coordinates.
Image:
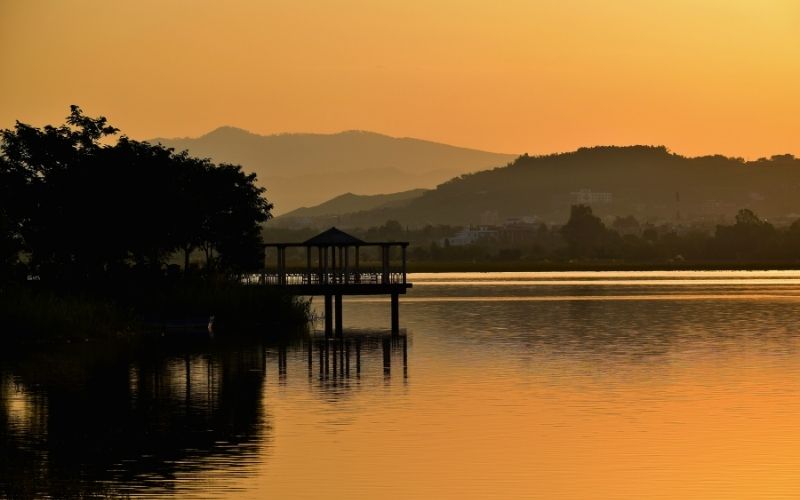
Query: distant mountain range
(306, 169)
(350, 203)
(650, 183)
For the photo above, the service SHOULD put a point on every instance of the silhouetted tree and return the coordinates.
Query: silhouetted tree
(792, 240)
(586, 235)
(235, 208)
(13, 186)
(749, 238)
(85, 209)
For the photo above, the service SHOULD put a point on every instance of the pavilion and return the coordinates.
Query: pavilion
(334, 268)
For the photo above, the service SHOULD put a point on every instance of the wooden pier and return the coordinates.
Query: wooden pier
(333, 268)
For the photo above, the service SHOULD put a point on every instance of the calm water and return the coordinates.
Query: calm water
(530, 385)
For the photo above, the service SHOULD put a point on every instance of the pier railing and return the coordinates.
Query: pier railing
(295, 278)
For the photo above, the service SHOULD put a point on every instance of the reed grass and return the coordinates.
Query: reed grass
(34, 314)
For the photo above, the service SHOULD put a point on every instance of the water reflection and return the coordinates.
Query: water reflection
(511, 395)
(82, 423)
(337, 355)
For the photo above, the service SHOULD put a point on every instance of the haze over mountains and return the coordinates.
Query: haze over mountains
(650, 183)
(465, 186)
(349, 203)
(307, 169)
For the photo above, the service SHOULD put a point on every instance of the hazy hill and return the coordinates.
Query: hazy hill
(307, 169)
(349, 203)
(648, 182)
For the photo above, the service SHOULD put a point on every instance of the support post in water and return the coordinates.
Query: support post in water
(328, 315)
(338, 315)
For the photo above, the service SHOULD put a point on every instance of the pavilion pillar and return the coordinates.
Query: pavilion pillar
(395, 314)
(325, 266)
(277, 265)
(404, 264)
(283, 265)
(263, 271)
(280, 265)
(308, 265)
(319, 262)
(346, 265)
(333, 264)
(385, 265)
(328, 315)
(339, 315)
(357, 272)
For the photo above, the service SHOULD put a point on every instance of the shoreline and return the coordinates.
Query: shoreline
(466, 267)
(36, 315)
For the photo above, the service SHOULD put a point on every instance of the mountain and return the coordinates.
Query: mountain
(307, 169)
(346, 204)
(648, 182)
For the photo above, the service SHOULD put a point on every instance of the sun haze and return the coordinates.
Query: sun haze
(700, 76)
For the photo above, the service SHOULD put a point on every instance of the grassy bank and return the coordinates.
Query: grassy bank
(29, 313)
(32, 313)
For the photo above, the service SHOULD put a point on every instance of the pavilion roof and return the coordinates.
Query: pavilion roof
(334, 237)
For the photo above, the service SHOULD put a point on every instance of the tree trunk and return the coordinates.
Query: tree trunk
(187, 252)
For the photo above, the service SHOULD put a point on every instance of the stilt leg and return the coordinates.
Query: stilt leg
(338, 315)
(328, 315)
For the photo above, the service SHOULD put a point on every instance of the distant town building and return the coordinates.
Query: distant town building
(589, 197)
(513, 230)
(470, 235)
(525, 219)
(518, 230)
(490, 218)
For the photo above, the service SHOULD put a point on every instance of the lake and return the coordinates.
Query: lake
(504, 385)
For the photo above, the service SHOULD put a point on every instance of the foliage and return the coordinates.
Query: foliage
(585, 234)
(34, 313)
(84, 209)
(585, 242)
(748, 237)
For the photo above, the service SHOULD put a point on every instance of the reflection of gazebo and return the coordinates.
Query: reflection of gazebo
(334, 268)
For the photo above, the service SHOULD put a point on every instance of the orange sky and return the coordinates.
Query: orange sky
(700, 76)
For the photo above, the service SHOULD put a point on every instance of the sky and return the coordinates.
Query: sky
(699, 76)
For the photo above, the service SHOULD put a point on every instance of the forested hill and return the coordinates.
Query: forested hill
(307, 169)
(650, 183)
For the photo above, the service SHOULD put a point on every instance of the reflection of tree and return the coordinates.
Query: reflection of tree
(132, 423)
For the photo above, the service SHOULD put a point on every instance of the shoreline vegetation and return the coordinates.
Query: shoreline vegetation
(91, 231)
(584, 242)
(33, 314)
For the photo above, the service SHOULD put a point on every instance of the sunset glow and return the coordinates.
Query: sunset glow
(700, 76)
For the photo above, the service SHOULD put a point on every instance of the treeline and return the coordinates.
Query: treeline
(585, 239)
(749, 239)
(77, 206)
(92, 228)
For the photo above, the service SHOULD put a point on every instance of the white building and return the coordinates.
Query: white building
(589, 197)
(470, 235)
